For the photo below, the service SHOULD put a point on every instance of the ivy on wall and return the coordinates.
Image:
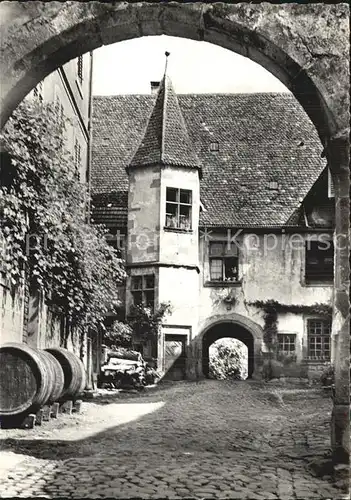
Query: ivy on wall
(145, 322)
(318, 308)
(272, 308)
(142, 323)
(43, 222)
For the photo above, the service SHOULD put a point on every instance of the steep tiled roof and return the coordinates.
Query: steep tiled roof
(110, 209)
(166, 139)
(261, 137)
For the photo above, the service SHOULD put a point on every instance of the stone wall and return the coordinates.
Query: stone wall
(11, 315)
(305, 46)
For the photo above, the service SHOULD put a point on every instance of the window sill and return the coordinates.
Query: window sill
(314, 360)
(318, 283)
(178, 230)
(222, 284)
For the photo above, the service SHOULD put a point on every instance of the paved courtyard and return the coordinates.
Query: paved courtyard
(207, 439)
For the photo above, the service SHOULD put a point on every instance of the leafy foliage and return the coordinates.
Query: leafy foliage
(271, 309)
(318, 308)
(145, 322)
(327, 377)
(118, 335)
(43, 212)
(142, 322)
(270, 329)
(225, 360)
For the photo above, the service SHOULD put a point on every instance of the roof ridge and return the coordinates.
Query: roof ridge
(288, 93)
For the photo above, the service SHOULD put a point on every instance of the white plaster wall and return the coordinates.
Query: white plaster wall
(180, 286)
(276, 274)
(295, 324)
(143, 215)
(180, 247)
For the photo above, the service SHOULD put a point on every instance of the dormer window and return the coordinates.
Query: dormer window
(178, 208)
(214, 146)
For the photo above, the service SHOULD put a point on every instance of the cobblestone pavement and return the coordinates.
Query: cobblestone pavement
(207, 439)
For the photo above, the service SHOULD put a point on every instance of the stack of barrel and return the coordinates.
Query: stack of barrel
(33, 378)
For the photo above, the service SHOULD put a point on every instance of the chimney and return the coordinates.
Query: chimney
(154, 87)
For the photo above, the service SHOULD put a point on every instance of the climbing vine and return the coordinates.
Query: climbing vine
(318, 308)
(43, 213)
(271, 308)
(270, 328)
(146, 323)
(142, 322)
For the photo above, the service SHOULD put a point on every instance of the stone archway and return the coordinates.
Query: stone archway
(235, 326)
(227, 330)
(306, 46)
(291, 41)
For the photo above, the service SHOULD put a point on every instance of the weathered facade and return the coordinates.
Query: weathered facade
(222, 219)
(305, 45)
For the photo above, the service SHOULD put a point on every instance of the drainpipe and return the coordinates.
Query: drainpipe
(90, 130)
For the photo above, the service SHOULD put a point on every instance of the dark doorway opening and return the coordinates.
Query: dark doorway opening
(225, 330)
(174, 357)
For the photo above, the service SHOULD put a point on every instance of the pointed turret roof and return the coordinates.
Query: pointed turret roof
(166, 140)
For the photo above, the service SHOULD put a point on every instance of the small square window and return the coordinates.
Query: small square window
(214, 146)
(319, 263)
(185, 196)
(286, 343)
(318, 334)
(137, 283)
(137, 298)
(224, 261)
(143, 290)
(178, 208)
(172, 194)
(150, 281)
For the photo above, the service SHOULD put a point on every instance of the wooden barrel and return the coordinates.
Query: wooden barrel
(73, 370)
(25, 379)
(57, 375)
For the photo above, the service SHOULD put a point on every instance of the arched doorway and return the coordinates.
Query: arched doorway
(226, 330)
(231, 325)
